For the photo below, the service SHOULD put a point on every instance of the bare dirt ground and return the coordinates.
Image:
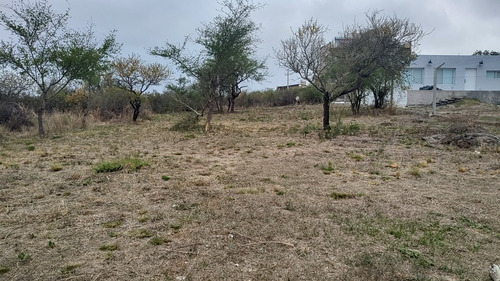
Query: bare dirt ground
(265, 196)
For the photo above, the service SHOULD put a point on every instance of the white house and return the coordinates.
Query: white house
(460, 76)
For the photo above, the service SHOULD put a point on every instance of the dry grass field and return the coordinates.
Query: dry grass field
(264, 196)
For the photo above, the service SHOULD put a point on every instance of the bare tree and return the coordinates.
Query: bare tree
(307, 54)
(136, 77)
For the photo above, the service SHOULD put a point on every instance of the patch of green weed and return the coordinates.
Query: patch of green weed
(140, 233)
(157, 240)
(327, 169)
(109, 247)
(130, 164)
(4, 269)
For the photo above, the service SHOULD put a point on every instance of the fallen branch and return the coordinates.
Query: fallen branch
(270, 242)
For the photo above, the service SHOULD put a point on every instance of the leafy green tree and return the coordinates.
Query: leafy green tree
(46, 51)
(136, 77)
(227, 58)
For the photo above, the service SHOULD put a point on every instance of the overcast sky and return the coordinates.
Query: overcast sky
(456, 26)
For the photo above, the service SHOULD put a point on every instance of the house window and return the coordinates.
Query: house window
(446, 76)
(491, 74)
(415, 75)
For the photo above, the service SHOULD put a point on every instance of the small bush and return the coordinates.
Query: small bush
(187, 123)
(15, 117)
(130, 164)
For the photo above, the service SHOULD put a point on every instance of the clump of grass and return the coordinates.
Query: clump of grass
(140, 233)
(416, 256)
(187, 123)
(4, 269)
(51, 244)
(340, 128)
(112, 224)
(109, 247)
(355, 156)
(165, 178)
(56, 167)
(279, 192)
(308, 129)
(289, 206)
(176, 225)
(69, 269)
(143, 219)
(156, 241)
(30, 147)
(415, 171)
(130, 164)
(23, 256)
(423, 164)
(339, 196)
(327, 169)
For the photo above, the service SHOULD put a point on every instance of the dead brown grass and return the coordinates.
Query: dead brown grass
(262, 197)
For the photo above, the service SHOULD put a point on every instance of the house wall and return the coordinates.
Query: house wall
(492, 97)
(460, 64)
(420, 97)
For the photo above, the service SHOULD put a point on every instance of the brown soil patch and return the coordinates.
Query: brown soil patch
(262, 197)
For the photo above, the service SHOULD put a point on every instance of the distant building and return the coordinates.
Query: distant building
(302, 84)
(470, 73)
(461, 76)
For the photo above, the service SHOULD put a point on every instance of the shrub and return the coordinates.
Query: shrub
(110, 103)
(14, 116)
(310, 95)
(187, 123)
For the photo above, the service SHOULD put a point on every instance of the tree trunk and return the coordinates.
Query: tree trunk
(326, 111)
(41, 132)
(84, 117)
(41, 110)
(235, 92)
(230, 107)
(136, 105)
(355, 100)
(211, 100)
(209, 116)
(85, 110)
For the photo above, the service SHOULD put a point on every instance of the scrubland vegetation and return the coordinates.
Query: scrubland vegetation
(266, 195)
